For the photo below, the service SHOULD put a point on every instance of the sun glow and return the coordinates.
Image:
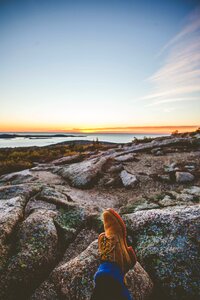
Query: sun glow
(130, 129)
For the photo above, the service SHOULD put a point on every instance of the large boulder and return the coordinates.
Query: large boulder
(167, 244)
(74, 280)
(11, 213)
(83, 174)
(48, 290)
(13, 200)
(35, 254)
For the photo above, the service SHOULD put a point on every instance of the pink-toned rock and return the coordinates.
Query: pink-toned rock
(75, 279)
(83, 174)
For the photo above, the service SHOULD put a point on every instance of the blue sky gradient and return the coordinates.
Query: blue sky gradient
(93, 64)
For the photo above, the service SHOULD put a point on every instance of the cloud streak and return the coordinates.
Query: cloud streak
(179, 78)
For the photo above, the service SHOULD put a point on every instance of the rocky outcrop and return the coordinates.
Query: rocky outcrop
(50, 218)
(11, 213)
(168, 141)
(83, 174)
(139, 283)
(36, 252)
(86, 173)
(13, 200)
(189, 196)
(49, 289)
(75, 278)
(167, 244)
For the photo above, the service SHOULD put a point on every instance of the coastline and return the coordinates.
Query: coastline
(43, 139)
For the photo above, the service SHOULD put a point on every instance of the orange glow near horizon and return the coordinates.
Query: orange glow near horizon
(128, 129)
(144, 129)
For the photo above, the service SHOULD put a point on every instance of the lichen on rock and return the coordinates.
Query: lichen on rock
(166, 243)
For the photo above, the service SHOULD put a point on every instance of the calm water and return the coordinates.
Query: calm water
(108, 137)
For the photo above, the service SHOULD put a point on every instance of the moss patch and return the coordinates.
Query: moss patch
(70, 219)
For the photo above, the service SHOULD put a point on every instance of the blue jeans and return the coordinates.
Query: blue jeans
(109, 283)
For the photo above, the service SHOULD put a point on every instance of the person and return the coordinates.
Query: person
(116, 259)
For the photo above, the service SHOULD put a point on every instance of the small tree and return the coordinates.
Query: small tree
(198, 130)
(175, 132)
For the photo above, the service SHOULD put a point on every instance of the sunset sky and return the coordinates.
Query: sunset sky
(108, 66)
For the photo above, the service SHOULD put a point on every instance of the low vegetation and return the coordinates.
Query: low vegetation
(17, 159)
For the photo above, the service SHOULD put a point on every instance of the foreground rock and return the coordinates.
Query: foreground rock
(167, 244)
(11, 213)
(48, 222)
(75, 278)
(13, 200)
(48, 289)
(36, 252)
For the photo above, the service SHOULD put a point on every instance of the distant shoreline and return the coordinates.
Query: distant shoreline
(36, 136)
(13, 140)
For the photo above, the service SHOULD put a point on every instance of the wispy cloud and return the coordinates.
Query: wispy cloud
(179, 78)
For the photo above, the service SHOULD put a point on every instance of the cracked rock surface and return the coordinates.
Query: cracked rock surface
(50, 218)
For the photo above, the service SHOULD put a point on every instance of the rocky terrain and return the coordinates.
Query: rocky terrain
(50, 217)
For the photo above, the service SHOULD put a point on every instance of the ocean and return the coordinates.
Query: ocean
(34, 141)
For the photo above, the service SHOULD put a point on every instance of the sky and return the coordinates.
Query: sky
(114, 65)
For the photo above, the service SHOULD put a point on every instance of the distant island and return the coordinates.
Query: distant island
(36, 136)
